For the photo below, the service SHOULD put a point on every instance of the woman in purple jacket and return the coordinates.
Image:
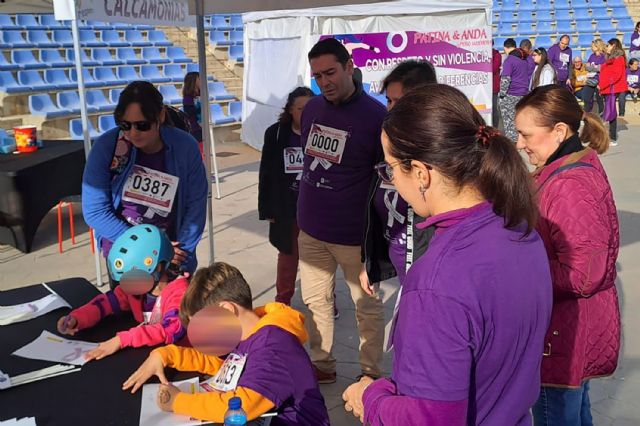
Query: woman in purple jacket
(475, 307)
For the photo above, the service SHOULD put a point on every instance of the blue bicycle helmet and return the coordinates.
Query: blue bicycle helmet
(141, 247)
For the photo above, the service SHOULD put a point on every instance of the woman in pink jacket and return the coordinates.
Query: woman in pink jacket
(579, 226)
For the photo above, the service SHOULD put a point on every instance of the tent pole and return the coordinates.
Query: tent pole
(204, 104)
(85, 121)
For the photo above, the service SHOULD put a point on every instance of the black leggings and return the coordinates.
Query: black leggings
(588, 92)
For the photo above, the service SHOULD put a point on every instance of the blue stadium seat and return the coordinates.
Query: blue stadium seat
(98, 25)
(70, 101)
(543, 41)
(544, 27)
(26, 60)
(127, 74)
(585, 39)
(626, 25)
(217, 92)
(236, 53)
(112, 39)
(128, 55)
(41, 105)
(63, 37)
(106, 76)
(88, 38)
(6, 65)
(114, 95)
(498, 42)
(170, 94)
(219, 23)
(524, 28)
(605, 26)
(86, 61)
(59, 78)
(607, 36)
(106, 122)
(75, 129)
(33, 79)
(564, 27)
(135, 38)
(563, 15)
(599, 13)
(13, 39)
(619, 13)
(582, 15)
(562, 5)
(235, 110)
(89, 80)
(174, 72)
(237, 37)
(6, 23)
(579, 4)
(544, 5)
(153, 56)
(104, 57)
(218, 116)
(509, 5)
(27, 21)
(236, 22)
(177, 55)
(508, 17)
(144, 27)
(8, 83)
(49, 21)
(584, 27)
(40, 39)
(597, 4)
(219, 38)
(527, 7)
(97, 100)
(158, 38)
(153, 74)
(53, 59)
(615, 3)
(505, 29)
(526, 17)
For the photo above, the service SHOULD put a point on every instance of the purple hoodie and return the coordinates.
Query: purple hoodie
(470, 327)
(561, 60)
(634, 37)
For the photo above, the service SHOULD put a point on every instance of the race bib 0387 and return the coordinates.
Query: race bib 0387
(151, 188)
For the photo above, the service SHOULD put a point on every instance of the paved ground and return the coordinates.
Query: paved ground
(241, 240)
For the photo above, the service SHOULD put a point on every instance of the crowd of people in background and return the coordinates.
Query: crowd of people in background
(607, 77)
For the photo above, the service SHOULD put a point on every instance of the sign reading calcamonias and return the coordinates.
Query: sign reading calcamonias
(153, 12)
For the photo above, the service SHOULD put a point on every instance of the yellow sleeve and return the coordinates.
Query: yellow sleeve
(211, 406)
(188, 359)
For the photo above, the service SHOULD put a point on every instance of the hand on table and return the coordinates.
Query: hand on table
(68, 325)
(352, 397)
(166, 395)
(104, 349)
(153, 365)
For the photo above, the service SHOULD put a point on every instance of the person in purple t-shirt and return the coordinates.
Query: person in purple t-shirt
(475, 307)
(634, 46)
(561, 57)
(514, 84)
(595, 61)
(341, 142)
(527, 48)
(633, 76)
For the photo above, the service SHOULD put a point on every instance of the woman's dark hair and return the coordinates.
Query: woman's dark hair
(633, 61)
(143, 93)
(555, 104)
(285, 116)
(618, 50)
(437, 125)
(190, 88)
(410, 74)
(544, 60)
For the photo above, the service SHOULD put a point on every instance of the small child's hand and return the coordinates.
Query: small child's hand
(68, 325)
(153, 365)
(104, 349)
(166, 395)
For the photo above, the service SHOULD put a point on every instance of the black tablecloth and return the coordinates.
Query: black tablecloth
(33, 183)
(92, 396)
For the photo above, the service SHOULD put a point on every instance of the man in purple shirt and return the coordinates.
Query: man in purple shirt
(341, 142)
(514, 84)
(527, 48)
(560, 56)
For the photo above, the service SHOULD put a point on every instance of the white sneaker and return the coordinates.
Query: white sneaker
(613, 143)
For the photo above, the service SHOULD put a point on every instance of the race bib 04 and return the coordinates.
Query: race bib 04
(228, 376)
(293, 160)
(564, 57)
(151, 188)
(326, 143)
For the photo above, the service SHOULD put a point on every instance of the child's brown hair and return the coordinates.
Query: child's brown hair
(219, 282)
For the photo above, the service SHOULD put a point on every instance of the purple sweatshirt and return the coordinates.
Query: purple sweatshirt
(532, 65)
(634, 38)
(518, 70)
(596, 60)
(633, 78)
(392, 210)
(561, 60)
(333, 195)
(470, 327)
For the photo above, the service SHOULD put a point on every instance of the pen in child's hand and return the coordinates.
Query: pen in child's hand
(65, 323)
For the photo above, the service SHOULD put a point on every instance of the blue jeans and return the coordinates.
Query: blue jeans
(563, 407)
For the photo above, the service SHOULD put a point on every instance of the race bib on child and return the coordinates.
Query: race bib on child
(326, 143)
(151, 188)
(582, 78)
(228, 376)
(293, 160)
(591, 74)
(564, 57)
(632, 79)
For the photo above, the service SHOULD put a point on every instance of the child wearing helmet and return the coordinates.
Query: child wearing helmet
(139, 260)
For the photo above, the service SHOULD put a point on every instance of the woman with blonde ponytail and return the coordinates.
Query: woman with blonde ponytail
(579, 225)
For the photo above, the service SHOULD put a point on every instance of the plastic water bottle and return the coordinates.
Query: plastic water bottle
(235, 415)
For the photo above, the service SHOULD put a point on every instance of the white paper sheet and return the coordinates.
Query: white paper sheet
(49, 347)
(152, 415)
(25, 421)
(26, 311)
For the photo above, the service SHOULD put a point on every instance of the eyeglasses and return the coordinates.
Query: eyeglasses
(141, 126)
(385, 170)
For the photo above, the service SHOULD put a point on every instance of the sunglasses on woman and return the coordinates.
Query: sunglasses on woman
(141, 126)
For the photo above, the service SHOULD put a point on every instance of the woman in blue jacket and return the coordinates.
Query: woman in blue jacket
(146, 171)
